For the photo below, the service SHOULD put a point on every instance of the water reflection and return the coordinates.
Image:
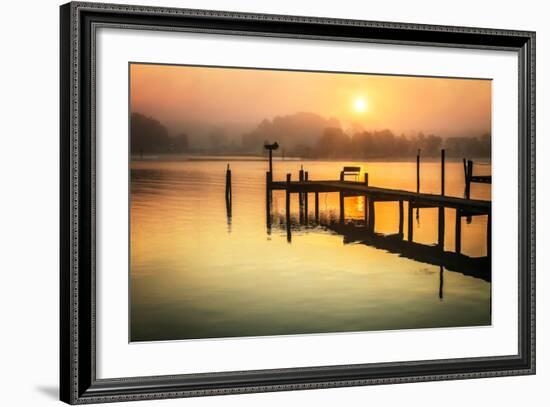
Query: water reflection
(203, 268)
(354, 232)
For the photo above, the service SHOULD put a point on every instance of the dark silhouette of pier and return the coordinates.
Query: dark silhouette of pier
(397, 243)
(364, 232)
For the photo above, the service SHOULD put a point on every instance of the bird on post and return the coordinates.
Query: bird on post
(270, 148)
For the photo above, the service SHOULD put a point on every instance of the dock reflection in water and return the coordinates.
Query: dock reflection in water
(202, 269)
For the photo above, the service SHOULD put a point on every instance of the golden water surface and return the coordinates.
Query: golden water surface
(198, 271)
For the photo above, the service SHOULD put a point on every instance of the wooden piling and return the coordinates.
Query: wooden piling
(366, 210)
(366, 199)
(306, 197)
(371, 214)
(441, 228)
(287, 196)
(441, 210)
(316, 207)
(229, 214)
(443, 172)
(228, 192)
(342, 213)
(268, 199)
(301, 196)
(287, 207)
(469, 172)
(418, 172)
(401, 217)
(410, 221)
(458, 231)
(441, 282)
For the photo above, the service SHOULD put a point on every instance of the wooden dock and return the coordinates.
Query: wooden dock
(434, 254)
(354, 188)
(479, 267)
(464, 207)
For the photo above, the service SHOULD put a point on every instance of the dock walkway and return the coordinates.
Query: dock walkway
(464, 207)
(355, 188)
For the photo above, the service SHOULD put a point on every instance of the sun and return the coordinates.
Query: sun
(360, 105)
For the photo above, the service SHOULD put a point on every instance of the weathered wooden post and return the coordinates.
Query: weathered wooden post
(366, 199)
(418, 172)
(458, 231)
(465, 174)
(366, 210)
(469, 173)
(342, 211)
(301, 195)
(441, 228)
(229, 215)
(417, 182)
(268, 199)
(287, 207)
(371, 215)
(401, 218)
(228, 184)
(306, 196)
(268, 180)
(316, 207)
(441, 283)
(228, 200)
(441, 209)
(442, 172)
(410, 221)
(270, 148)
(287, 195)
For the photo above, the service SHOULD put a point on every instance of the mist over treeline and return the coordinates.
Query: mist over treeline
(305, 135)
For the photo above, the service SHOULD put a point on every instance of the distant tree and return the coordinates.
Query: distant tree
(432, 145)
(333, 143)
(180, 143)
(301, 150)
(362, 144)
(469, 146)
(147, 135)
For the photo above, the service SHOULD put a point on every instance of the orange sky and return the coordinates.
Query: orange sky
(402, 104)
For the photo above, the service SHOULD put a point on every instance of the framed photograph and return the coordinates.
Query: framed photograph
(255, 203)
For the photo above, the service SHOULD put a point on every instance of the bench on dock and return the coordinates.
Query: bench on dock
(350, 170)
(470, 178)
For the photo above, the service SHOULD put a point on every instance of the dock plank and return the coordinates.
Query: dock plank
(360, 188)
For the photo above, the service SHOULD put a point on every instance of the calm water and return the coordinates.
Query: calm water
(198, 273)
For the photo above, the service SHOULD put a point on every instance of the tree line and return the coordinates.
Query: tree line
(335, 143)
(306, 135)
(149, 136)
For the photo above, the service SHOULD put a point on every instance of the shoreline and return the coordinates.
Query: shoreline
(256, 158)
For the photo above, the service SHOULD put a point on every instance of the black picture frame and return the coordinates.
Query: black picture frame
(78, 382)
